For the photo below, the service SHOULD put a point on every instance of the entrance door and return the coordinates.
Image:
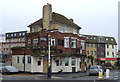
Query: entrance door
(82, 67)
(73, 69)
(45, 65)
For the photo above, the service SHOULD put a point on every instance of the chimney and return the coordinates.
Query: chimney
(47, 16)
(71, 20)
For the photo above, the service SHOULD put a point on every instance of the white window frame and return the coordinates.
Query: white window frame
(29, 59)
(73, 42)
(64, 28)
(73, 62)
(35, 42)
(74, 30)
(52, 40)
(35, 29)
(66, 41)
(29, 42)
(83, 44)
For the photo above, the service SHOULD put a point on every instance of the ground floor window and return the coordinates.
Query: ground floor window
(66, 61)
(29, 59)
(73, 62)
(39, 63)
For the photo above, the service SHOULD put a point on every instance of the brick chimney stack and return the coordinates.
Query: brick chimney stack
(47, 16)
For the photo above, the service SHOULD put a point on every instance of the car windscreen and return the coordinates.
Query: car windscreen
(94, 67)
(10, 68)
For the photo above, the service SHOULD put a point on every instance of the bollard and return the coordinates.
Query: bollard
(100, 74)
(107, 73)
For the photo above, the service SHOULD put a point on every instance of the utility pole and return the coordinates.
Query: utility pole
(49, 66)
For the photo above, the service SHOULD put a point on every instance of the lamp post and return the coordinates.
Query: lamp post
(24, 62)
(49, 66)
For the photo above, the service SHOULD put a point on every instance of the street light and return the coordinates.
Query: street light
(49, 66)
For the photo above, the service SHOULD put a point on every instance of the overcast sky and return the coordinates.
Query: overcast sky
(96, 17)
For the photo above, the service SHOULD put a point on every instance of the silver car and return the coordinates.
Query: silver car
(94, 70)
(11, 69)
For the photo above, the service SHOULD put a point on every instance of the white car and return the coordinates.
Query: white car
(11, 69)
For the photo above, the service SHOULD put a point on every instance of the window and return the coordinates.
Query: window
(15, 34)
(57, 62)
(87, 52)
(107, 39)
(73, 43)
(64, 28)
(7, 35)
(91, 45)
(102, 53)
(87, 45)
(66, 61)
(35, 42)
(7, 40)
(98, 53)
(60, 42)
(94, 38)
(98, 45)
(91, 52)
(75, 31)
(113, 54)
(107, 53)
(112, 46)
(112, 39)
(52, 41)
(29, 42)
(83, 44)
(107, 46)
(66, 42)
(11, 40)
(95, 45)
(23, 60)
(73, 62)
(95, 53)
(87, 37)
(15, 39)
(11, 45)
(91, 38)
(102, 45)
(29, 60)
(60, 61)
(11, 34)
(20, 34)
(23, 34)
(35, 29)
(18, 59)
(39, 63)
(19, 44)
(23, 44)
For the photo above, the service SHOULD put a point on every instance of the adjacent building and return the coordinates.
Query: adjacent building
(104, 48)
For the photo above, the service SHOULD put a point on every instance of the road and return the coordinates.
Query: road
(114, 75)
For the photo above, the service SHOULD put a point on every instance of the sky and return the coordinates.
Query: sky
(95, 17)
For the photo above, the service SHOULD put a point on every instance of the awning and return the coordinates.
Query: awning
(106, 59)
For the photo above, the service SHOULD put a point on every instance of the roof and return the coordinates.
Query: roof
(100, 39)
(57, 18)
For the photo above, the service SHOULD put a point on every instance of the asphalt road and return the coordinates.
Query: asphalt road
(114, 75)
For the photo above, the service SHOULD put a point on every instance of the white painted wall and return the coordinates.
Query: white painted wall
(110, 50)
(20, 65)
(34, 64)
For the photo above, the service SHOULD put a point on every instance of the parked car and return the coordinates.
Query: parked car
(94, 70)
(8, 69)
(11, 69)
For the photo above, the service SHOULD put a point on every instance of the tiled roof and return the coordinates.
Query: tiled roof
(100, 39)
(57, 18)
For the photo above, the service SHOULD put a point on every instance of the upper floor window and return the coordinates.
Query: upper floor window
(66, 41)
(15, 34)
(87, 44)
(35, 29)
(60, 42)
(94, 38)
(73, 43)
(23, 34)
(107, 39)
(82, 44)
(95, 53)
(7, 40)
(20, 34)
(98, 45)
(11, 34)
(91, 52)
(87, 37)
(29, 42)
(112, 39)
(87, 52)
(7, 35)
(52, 41)
(95, 45)
(91, 45)
(35, 42)
(75, 31)
(64, 28)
